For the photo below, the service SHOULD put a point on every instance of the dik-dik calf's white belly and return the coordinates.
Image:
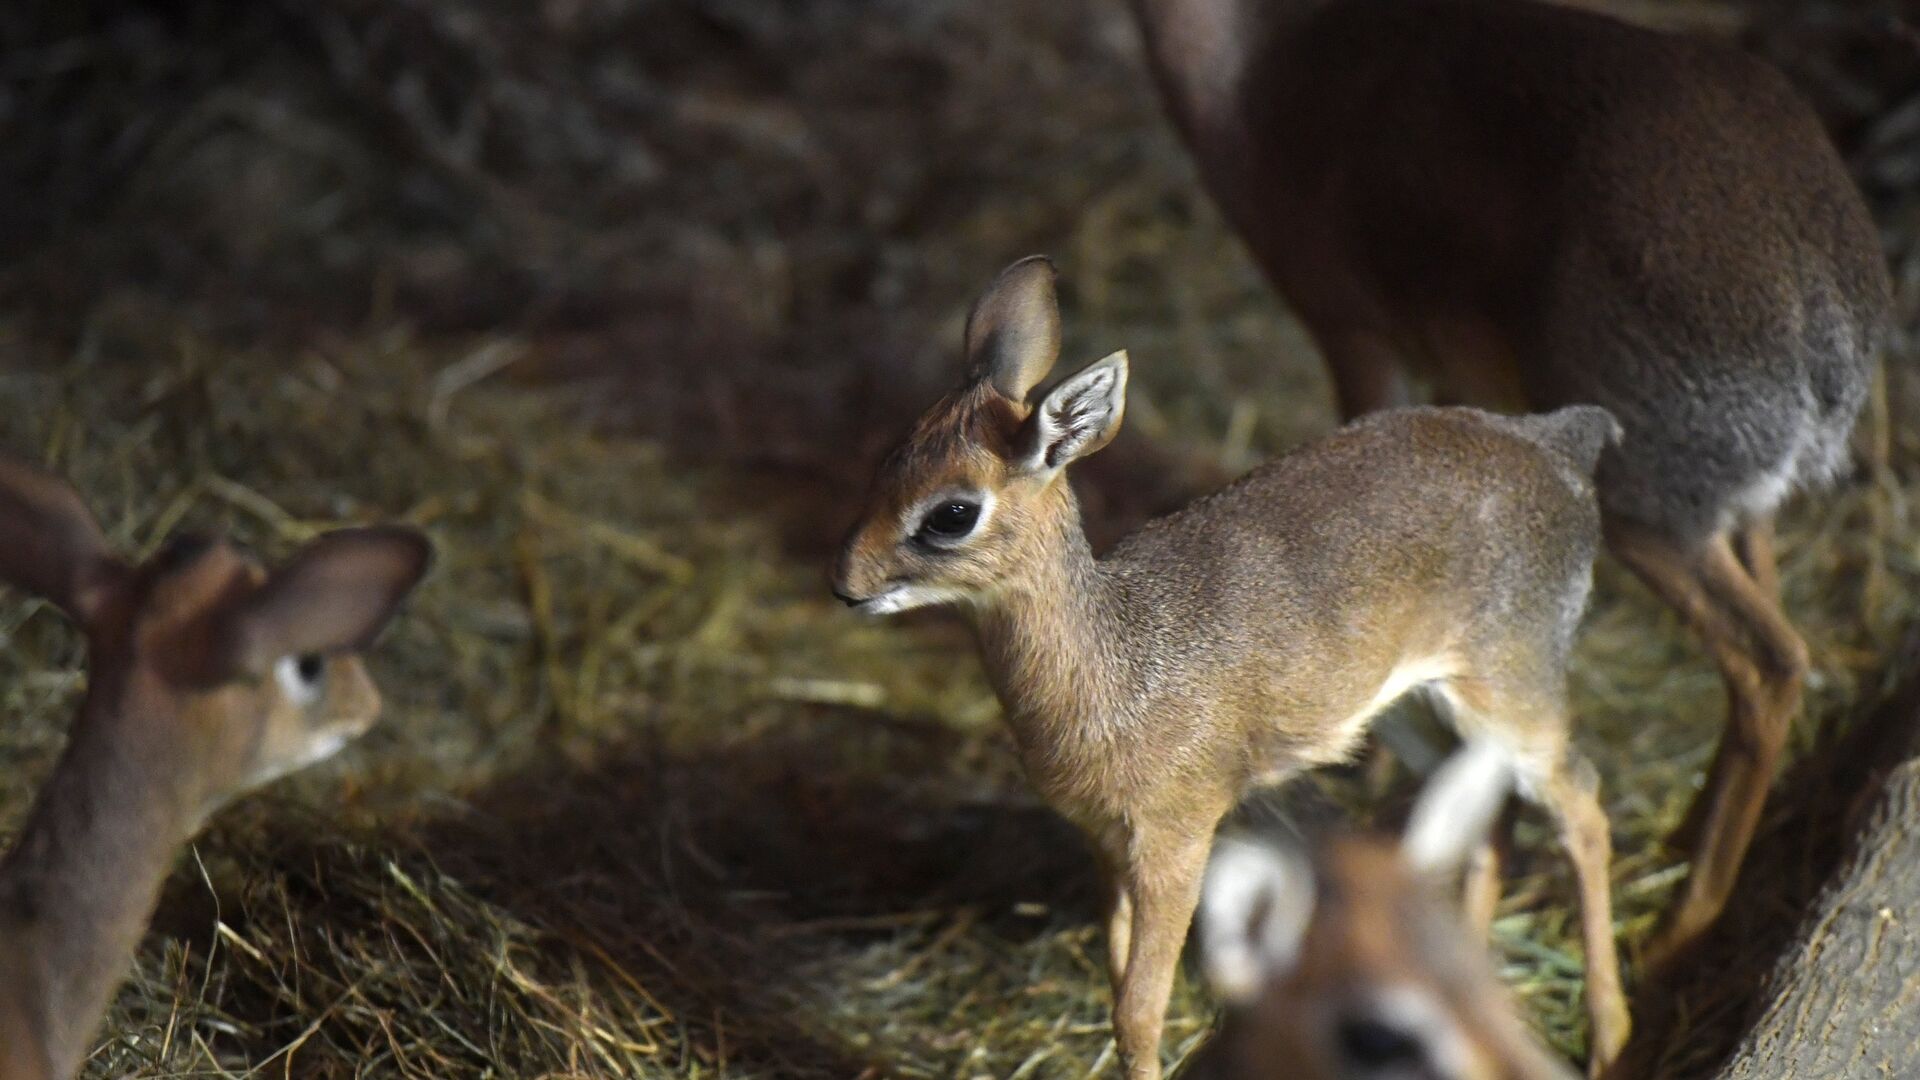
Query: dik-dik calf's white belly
(1337, 740)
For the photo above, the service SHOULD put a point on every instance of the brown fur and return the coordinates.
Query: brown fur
(1536, 207)
(1378, 931)
(187, 706)
(1253, 634)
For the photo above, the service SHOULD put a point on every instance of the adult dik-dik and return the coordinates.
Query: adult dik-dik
(1345, 963)
(207, 676)
(1253, 634)
(1538, 207)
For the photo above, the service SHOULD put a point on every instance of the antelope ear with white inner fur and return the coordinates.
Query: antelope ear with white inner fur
(1254, 912)
(1079, 416)
(1456, 810)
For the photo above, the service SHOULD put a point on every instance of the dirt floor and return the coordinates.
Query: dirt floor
(621, 300)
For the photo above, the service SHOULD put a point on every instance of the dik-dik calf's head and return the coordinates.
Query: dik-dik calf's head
(964, 499)
(1348, 965)
(237, 673)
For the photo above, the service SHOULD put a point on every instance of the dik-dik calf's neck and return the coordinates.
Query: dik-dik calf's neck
(79, 886)
(1058, 646)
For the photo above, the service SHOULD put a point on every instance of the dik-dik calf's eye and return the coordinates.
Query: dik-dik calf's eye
(948, 521)
(301, 676)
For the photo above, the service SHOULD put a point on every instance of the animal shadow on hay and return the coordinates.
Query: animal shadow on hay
(733, 883)
(732, 890)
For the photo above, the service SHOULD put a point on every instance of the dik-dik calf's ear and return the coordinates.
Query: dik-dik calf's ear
(1013, 332)
(1079, 416)
(1456, 811)
(333, 596)
(50, 545)
(1254, 912)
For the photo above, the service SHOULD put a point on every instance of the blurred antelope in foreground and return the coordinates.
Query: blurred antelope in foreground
(1537, 207)
(207, 676)
(1347, 964)
(1253, 634)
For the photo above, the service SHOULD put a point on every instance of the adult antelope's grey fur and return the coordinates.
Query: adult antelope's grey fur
(206, 676)
(1253, 634)
(1346, 964)
(1537, 207)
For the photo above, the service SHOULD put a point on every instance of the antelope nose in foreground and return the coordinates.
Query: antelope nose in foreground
(850, 601)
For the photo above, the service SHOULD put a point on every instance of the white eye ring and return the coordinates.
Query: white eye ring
(915, 521)
(301, 677)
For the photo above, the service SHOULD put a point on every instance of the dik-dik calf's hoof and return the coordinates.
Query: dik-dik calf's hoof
(1610, 1033)
(1144, 1067)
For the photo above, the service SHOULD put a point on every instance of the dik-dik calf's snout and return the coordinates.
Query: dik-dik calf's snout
(935, 529)
(901, 559)
(859, 574)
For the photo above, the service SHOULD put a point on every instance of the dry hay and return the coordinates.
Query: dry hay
(646, 802)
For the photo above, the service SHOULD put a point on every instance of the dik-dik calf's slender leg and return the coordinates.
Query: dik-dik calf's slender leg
(1727, 603)
(1571, 796)
(1119, 910)
(1486, 868)
(1163, 884)
(1566, 787)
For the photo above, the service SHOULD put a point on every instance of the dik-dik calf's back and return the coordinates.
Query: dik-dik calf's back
(1536, 207)
(1406, 549)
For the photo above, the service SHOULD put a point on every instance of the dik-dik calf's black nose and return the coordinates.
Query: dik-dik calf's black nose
(850, 601)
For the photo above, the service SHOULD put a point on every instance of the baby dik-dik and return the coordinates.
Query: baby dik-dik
(1250, 636)
(1348, 964)
(1540, 207)
(206, 676)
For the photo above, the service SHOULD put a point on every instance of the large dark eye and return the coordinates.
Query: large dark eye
(301, 676)
(950, 520)
(1371, 1044)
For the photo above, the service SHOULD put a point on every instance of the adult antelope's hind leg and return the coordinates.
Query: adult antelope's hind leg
(1764, 663)
(1164, 883)
(1753, 543)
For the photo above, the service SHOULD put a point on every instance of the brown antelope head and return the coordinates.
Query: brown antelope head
(958, 506)
(1348, 964)
(207, 674)
(235, 673)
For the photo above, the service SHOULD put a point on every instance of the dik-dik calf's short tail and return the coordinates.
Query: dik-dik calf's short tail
(1576, 433)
